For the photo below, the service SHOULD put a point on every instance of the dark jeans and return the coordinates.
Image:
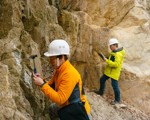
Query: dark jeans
(114, 84)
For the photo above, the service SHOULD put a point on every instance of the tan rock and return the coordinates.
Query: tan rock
(27, 27)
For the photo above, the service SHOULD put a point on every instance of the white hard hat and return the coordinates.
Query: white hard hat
(58, 47)
(113, 41)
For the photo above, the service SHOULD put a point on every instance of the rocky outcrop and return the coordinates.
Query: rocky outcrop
(27, 27)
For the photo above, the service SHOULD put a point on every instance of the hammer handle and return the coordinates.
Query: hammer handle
(35, 71)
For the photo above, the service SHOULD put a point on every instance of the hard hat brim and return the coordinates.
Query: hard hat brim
(112, 44)
(47, 54)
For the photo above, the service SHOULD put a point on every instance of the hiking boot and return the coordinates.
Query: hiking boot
(98, 92)
(114, 102)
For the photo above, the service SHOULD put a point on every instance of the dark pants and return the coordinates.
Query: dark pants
(114, 84)
(53, 111)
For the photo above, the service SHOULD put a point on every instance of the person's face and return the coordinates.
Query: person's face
(113, 47)
(53, 61)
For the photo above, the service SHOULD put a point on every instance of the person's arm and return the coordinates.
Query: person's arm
(116, 62)
(64, 91)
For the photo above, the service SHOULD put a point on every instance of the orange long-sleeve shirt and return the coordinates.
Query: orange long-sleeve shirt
(66, 77)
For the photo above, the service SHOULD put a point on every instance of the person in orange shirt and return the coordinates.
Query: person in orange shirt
(67, 94)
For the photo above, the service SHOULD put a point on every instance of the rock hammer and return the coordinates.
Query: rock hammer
(33, 57)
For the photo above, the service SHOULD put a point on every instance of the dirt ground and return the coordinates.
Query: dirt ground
(101, 109)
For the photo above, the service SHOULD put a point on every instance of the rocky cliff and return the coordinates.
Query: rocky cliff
(27, 27)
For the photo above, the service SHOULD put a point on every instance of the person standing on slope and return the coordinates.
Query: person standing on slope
(112, 70)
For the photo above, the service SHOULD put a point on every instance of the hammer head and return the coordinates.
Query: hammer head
(33, 56)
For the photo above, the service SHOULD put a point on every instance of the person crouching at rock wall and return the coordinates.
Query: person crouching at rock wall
(69, 100)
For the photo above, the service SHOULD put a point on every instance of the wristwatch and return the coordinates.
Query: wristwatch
(42, 84)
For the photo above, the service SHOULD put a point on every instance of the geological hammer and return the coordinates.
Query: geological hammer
(33, 57)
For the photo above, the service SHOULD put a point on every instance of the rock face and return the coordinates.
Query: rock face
(27, 27)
